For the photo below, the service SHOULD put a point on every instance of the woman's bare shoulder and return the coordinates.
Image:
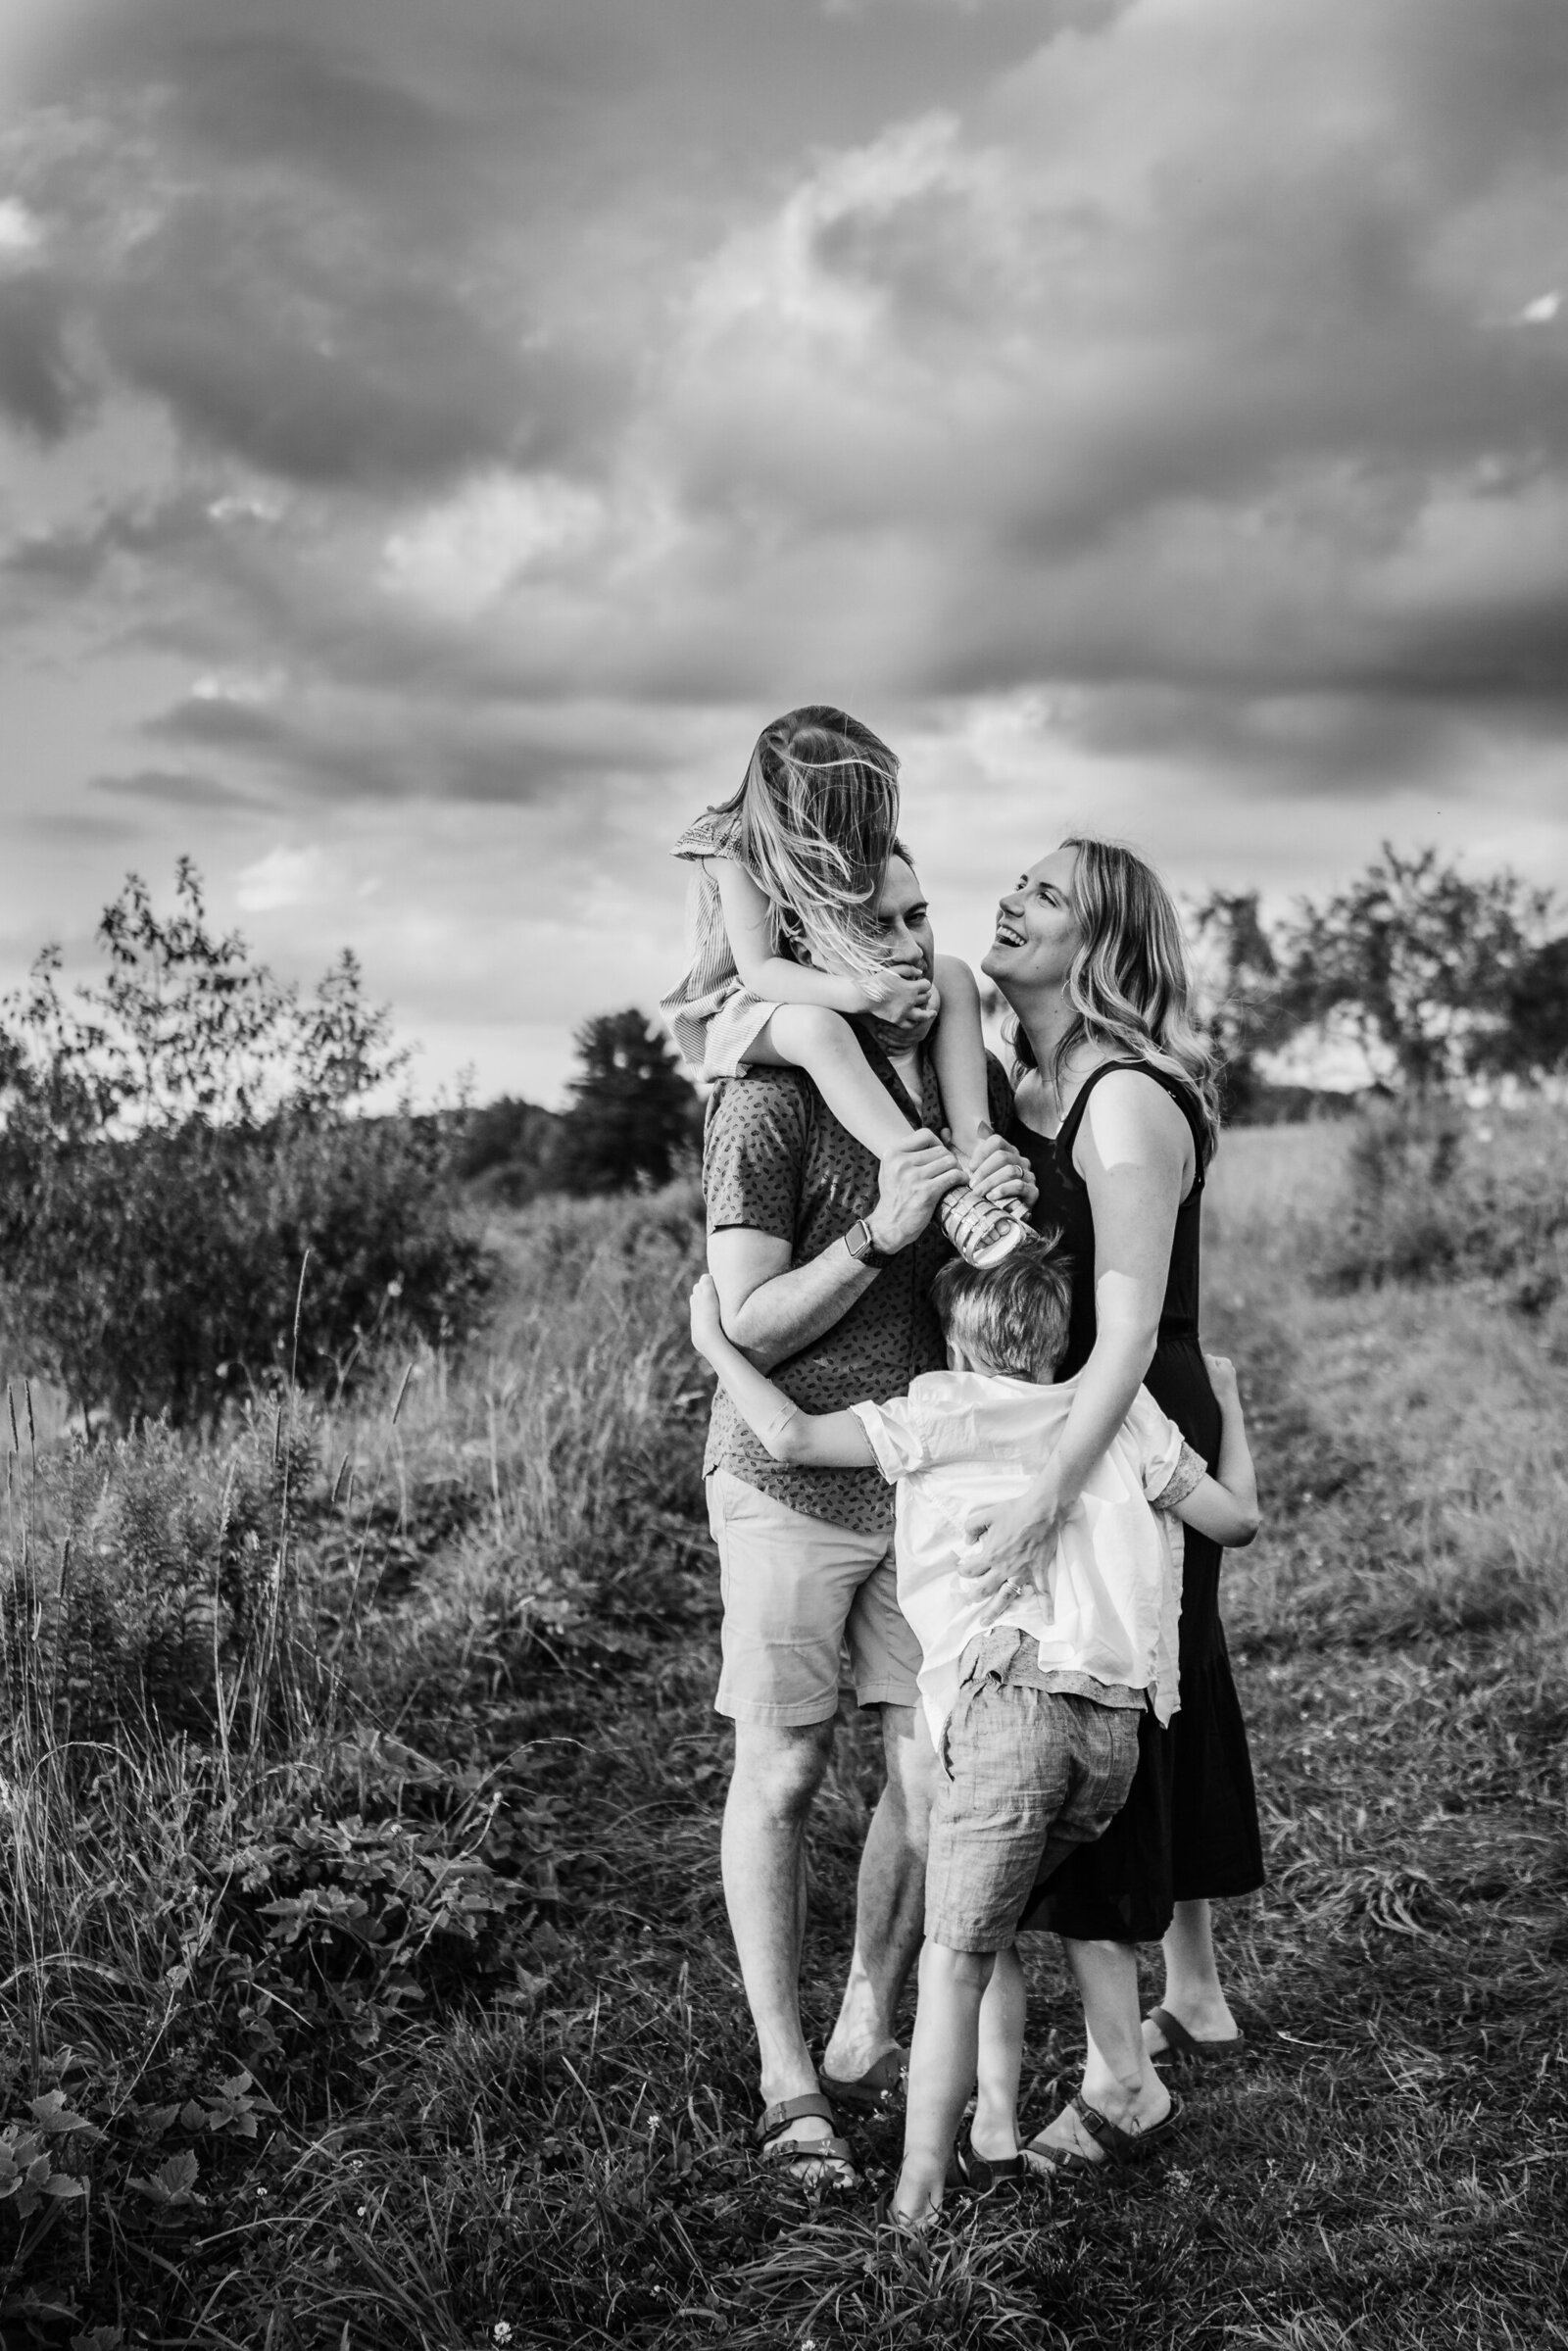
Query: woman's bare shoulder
(1131, 1115)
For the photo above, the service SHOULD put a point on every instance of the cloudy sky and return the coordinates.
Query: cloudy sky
(437, 434)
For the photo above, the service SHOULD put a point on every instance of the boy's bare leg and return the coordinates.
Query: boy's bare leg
(889, 1902)
(941, 2072)
(1120, 2078)
(777, 1772)
(1193, 1994)
(993, 2132)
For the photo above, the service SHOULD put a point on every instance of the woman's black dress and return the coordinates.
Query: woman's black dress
(1188, 1828)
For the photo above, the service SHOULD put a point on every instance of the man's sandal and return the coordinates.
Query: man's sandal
(1121, 2146)
(878, 2090)
(815, 2163)
(1179, 2042)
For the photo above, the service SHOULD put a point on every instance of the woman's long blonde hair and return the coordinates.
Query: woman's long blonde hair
(818, 820)
(1130, 984)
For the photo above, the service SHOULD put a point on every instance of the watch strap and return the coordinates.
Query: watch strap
(863, 1249)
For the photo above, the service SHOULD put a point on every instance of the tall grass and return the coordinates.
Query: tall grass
(365, 1962)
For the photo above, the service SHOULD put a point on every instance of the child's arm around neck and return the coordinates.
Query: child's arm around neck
(807, 1439)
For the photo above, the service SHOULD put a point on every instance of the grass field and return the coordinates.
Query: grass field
(385, 1999)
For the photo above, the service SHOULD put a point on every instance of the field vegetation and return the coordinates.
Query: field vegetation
(364, 1968)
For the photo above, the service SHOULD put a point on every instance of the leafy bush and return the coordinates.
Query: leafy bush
(1435, 1194)
(187, 1207)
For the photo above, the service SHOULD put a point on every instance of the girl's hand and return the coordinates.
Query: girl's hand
(1222, 1379)
(898, 994)
(708, 1324)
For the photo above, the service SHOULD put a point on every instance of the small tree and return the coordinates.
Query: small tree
(1241, 994)
(1419, 963)
(632, 1112)
(176, 1143)
(1534, 1042)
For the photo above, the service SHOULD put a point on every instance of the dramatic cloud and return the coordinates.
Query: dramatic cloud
(454, 432)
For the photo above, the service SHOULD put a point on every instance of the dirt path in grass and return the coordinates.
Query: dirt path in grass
(1382, 2165)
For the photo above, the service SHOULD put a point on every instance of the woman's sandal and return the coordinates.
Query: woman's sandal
(878, 2090)
(815, 2163)
(1121, 2146)
(1179, 2042)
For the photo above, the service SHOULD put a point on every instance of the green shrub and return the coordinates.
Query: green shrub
(188, 1209)
(148, 1578)
(1436, 1193)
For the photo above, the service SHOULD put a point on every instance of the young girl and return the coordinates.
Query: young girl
(790, 868)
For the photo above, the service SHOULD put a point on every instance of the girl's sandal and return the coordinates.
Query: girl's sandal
(814, 2163)
(1121, 2146)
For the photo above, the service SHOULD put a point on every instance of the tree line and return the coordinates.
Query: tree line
(196, 1206)
(1433, 976)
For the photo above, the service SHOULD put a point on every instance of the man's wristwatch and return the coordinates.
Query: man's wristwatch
(863, 1249)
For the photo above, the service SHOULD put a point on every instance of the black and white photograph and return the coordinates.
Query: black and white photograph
(784, 1175)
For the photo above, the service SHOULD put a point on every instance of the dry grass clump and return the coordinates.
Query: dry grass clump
(412, 2019)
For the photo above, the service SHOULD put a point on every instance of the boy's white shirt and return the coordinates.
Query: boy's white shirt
(959, 1438)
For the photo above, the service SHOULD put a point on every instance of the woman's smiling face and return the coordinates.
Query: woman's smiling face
(1036, 932)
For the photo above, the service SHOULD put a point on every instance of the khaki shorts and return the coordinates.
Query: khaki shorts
(796, 1593)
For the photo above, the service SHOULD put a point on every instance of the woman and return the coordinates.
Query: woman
(1116, 1115)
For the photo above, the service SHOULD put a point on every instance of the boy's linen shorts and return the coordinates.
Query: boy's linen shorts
(1028, 1771)
(796, 1593)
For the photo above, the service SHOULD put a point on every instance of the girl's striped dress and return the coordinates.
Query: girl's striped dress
(710, 1015)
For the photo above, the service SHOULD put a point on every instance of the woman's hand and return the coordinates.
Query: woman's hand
(707, 1323)
(1222, 1379)
(1018, 1539)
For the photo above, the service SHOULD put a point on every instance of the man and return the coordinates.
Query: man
(823, 1263)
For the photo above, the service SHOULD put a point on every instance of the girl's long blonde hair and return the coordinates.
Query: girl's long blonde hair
(1130, 985)
(818, 820)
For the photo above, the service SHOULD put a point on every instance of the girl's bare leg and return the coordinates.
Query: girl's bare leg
(993, 2132)
(1194, 1993)
(823, 1043)
(959, 1051)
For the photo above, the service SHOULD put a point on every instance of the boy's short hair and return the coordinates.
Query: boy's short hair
(1012, 1317)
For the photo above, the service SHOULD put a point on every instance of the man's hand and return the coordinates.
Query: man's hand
(1018, 1539)
(707, 1323)
(913, 1177)
(1002, 1172)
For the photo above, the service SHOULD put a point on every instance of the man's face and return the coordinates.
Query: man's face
(904, 932)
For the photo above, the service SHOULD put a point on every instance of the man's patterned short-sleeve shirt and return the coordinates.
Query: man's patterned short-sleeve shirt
(777, 1161)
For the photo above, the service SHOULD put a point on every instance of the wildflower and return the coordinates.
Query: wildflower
(501, 2332)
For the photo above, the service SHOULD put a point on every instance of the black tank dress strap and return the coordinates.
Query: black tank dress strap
(1181, 1093)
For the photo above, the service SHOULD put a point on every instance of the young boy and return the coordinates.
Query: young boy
(1034, 1707)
